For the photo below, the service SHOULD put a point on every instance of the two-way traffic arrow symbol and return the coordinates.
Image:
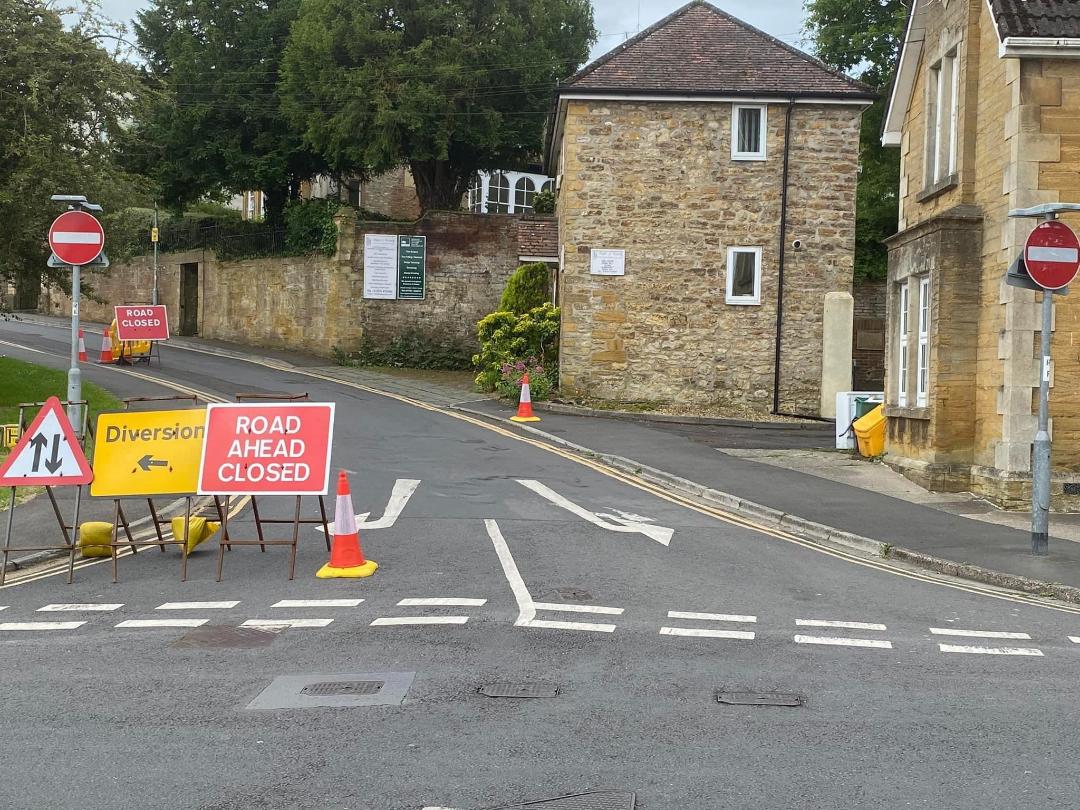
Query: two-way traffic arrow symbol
(148, 461)
(51, 464)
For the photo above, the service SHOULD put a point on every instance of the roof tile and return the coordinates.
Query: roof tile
(538, 237)
(1037, 18)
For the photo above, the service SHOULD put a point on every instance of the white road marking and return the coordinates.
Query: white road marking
(526, 607)
(710, 617)
(319, 603)
(163, 623)
(948, 631)
(550, 625)
(1074, 639)
(661, 534)
(399, 497)
(198, 605)
(962, 648)
(845, 642)
(3, 607)
(441, 601)
(746, 635)
(387, 620)
(559, 606)
(845, 625)
(73, 607)
(283, 623)
(40, 625)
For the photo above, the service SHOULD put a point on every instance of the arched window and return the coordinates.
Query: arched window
(498, 194)
(549, 185)
(476, 195)
(524, 191)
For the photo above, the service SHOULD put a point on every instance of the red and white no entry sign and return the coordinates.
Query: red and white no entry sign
(272, 449)
(76, 237)
(1052, 255)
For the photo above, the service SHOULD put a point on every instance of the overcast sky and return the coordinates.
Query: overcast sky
(619, 19)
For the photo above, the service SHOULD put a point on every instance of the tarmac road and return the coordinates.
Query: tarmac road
(533, 567)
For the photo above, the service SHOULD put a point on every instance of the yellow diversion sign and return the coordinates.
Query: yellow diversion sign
(148, 452)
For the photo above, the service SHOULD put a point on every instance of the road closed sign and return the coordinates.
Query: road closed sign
(267, 449)
(148, 452)
(142, 322)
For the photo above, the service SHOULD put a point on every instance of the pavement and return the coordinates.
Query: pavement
(508, 559)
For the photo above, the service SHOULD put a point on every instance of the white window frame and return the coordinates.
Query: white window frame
(943, 117)
(922, 362)
(743, 300)
(736, 114)
(902, 353)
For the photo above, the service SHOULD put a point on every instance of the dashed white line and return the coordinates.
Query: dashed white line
(163, 623)
(282, 623)
(441, 601)
(844, 625)
(316, 603)
(962, 648)
(710, 617)
(845, 642)
(400, 620)
(3, 607)
(40, 625)
(590, 626)
(559, 606)
(948, 631)
(697, 632)
(198, 605)
(77, 607)
(1074, 639)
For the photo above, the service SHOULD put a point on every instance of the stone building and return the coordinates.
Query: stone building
(706, 203)
(986, 114)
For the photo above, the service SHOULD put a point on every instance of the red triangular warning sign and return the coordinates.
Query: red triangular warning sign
(48, 454)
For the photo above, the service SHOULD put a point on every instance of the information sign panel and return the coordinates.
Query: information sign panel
(412, 261)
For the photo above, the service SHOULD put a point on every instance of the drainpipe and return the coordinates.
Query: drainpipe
(780, 268)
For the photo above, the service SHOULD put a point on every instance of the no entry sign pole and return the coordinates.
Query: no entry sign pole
(76, 238)
(1052, 257)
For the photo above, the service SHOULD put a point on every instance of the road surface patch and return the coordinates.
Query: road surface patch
(77, 607)
(317, 689)
(316, 603)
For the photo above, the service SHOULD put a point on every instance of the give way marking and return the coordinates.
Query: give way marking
(634, 523)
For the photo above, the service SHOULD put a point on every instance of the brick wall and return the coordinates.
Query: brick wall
(868, 346)
(657, 180)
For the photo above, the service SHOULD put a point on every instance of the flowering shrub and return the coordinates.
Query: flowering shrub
(509, 384)
(507, 339)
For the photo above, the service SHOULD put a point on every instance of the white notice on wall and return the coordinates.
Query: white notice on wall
(380, 265)
(607, 262)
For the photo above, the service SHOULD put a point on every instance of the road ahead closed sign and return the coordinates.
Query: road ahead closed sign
(148, 452)
(267, 449)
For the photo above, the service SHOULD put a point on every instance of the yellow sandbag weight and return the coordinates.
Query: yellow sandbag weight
(199, 531)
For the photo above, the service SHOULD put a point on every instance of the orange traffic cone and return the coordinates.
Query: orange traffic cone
(346, 556)
(525, 411)
(106, 348)
(82, 347)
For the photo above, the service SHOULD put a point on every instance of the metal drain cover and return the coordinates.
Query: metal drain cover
(340, 689)
(222, 637)
(574, 594)
(520, 690)
(343, 688)
(597, 800)
(760, 699)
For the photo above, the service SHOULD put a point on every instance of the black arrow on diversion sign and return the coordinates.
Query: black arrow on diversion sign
(148, 461)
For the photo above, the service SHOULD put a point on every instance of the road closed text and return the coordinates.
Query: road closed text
(145, 322)
(267, 449)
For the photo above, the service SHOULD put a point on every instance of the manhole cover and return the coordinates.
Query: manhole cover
(340, 689)
(574, 594)
(760, 698)
(222, 637)
(596, 800)
(520, 690)
(343, 688)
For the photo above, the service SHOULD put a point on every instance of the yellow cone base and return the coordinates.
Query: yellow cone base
(355, 572)
(524, 418)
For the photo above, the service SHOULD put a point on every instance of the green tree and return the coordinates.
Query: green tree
(447, 88)
(527, 288)
(216, 123)
(862, 37)
(64, 98)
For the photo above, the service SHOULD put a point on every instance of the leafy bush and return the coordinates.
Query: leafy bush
(309, 226)
(544, 202)
(511, 374)
(527, 288)
(506, 339)
(411, 349)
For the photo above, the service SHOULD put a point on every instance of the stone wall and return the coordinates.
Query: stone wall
(392, 194)
(657, 180)
(315, 303)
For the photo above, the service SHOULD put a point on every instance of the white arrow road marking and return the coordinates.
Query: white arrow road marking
(399, 497)
(661, 534)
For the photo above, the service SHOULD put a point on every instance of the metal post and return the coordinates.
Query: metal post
(1040, 471)
(74, 388)
(154, 295)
